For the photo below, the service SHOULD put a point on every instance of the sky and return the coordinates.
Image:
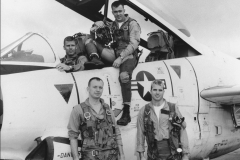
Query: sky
(211, 22)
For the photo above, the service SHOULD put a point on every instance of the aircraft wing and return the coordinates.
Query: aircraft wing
(222, 94)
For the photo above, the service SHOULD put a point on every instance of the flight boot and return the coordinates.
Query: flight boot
(125, 119)
(95, 63)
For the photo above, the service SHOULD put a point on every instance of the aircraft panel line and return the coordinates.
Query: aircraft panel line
(76, 88)
(169, 77)
(198, 96)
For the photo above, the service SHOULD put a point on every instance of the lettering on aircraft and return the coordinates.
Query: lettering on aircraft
(136, 108)
(225, 142)
(142, 84)
(68, 154)
(64, 155)
(219, 145)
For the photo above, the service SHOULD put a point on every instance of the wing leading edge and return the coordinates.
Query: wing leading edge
(222, 94)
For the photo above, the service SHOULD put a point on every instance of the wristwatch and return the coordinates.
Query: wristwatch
(121, 57)
(71, 67)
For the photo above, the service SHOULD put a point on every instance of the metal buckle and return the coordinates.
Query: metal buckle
(147, 113)
(179, 150)
(95, 153)
(153, 156)
(87, 115)
(108, 112)
(125, 28)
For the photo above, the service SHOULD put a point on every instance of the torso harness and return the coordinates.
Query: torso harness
(98, 134)
(121, 36)
(70, 61)
(174, 134)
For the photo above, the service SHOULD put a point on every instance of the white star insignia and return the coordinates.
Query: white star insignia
(146, 84)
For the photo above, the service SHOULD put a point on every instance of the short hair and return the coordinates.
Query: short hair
(69, 38)
(157, 82)
(117, 3)
(94, 78)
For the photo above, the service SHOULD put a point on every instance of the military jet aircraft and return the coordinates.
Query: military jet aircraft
(36, 99)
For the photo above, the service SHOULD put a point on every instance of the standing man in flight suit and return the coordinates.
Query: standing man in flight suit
(126, 37)
(93, 122)
(154, 125)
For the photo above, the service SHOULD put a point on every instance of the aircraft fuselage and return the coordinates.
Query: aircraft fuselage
(38, 104)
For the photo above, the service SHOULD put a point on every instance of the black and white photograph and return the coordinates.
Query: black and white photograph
(120, 80)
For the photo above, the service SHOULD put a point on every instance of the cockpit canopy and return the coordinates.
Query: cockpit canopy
(30, 48)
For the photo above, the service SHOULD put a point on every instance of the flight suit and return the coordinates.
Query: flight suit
(160, 130)
(127, 49)
(75, 61)
(126, 39)
(99, 133)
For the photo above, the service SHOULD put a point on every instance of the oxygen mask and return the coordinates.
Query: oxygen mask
(176, 121)
(104, 35)
(118, 33)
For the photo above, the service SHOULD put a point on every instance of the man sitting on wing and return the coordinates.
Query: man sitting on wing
(122, 54)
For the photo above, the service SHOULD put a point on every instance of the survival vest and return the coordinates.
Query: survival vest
(98, 134)
(120, 35)
(161, 46)
(174, 137)
(70, 61)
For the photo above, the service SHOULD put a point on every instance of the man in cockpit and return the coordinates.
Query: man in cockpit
(122, 54)
(75, 56)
